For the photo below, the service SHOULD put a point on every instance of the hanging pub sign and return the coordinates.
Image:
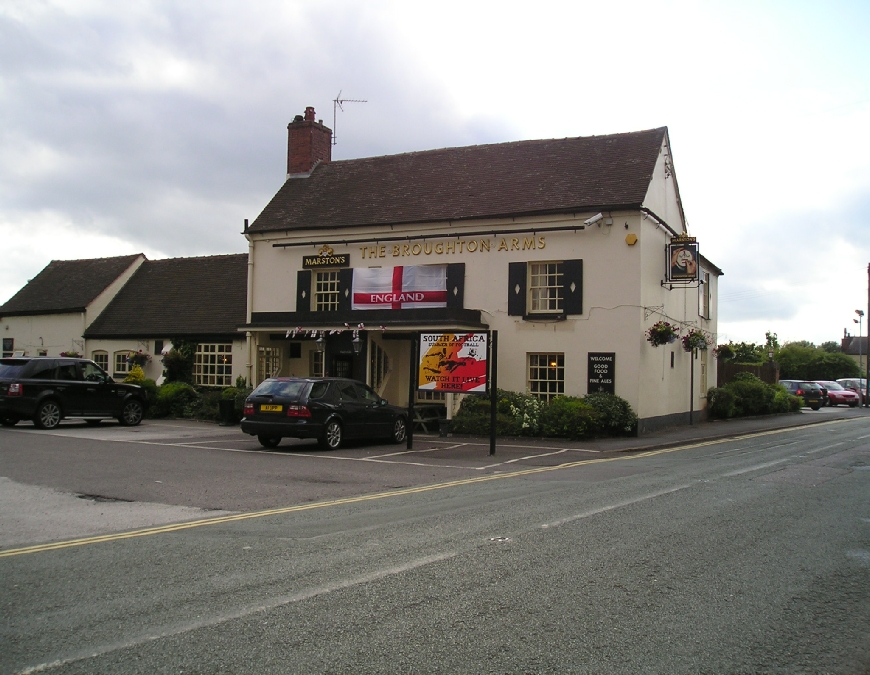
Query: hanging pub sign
(404, 287)
(453, 362)
(601, 373)
(325, 257)
(683, 259)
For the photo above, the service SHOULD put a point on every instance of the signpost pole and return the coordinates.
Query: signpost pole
(412, 389)
(492, 381)
(692, 387)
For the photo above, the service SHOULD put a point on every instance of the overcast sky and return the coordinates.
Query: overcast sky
(158, 127)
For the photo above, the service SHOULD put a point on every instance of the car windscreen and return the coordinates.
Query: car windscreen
(833, 386)
(292, 389)
(12, 368)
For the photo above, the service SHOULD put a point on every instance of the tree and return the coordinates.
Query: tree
(804, 361)
(831, 347)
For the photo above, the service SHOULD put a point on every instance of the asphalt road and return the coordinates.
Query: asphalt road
(740, 555)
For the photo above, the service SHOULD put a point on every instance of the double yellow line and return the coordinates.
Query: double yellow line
(176, 527)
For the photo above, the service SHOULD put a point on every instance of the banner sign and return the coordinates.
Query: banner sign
(453, 362)
(410, 287)
(601, 373)
(683, 259)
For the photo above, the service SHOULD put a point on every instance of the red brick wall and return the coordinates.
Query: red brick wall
(307, 143)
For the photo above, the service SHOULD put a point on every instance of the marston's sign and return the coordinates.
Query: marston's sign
(326, 257)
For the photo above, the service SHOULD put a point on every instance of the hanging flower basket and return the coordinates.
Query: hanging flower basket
(661, 333)
(139, 358)
(693, 340)
(724, 352)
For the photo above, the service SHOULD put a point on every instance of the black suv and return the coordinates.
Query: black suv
(329, 409)
(48, 389)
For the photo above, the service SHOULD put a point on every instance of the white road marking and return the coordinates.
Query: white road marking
(241, 613)
(611, 507)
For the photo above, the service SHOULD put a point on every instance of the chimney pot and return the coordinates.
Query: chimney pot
(308, 143)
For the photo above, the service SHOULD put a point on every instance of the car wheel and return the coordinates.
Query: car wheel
(400, 430)
(93, 423)
(9, 421)
(269, 441)
(131, 413)
(853, 404)
(47, 415)
(815, 406)
(331, 437)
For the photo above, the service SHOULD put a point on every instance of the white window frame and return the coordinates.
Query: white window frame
(120, 365)
(317, 363)
(268, 361)
(544, 286)
(213, 364)
(326, 292)
(704, 295)
(545, 375)
(101, 358)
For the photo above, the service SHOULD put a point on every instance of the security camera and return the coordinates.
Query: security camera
(594, 219)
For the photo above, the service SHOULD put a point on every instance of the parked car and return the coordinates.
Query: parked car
(810, 392)
(48, 389)
(856, 384)
(835, 394)
(328, 409)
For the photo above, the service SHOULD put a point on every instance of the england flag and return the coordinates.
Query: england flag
(403, 287)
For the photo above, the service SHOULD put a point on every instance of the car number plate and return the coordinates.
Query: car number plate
(270, 408)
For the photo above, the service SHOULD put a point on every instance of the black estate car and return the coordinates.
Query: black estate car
(326, 408)
(810, 392)
(49, 389)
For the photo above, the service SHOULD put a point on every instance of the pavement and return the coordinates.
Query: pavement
(723, 429)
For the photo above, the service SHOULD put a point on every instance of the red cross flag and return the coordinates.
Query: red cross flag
(407, 287)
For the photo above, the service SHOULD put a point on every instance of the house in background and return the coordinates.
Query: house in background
(201, 300)
(50, 314)
(569, 248)
(856, 347)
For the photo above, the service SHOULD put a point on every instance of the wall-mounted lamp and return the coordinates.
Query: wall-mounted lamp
(320, 343)
(357, 344)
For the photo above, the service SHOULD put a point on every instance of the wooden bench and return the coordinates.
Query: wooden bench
(429, 415)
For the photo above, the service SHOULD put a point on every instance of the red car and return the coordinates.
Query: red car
(838, 394)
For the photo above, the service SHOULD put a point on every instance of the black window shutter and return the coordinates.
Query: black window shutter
(572, 286)
(345, 288)
(303, 291)
(456, 285)
(516, 288)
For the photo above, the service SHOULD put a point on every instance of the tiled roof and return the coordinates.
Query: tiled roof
(178, 297)
(66, 286)
(480, 181)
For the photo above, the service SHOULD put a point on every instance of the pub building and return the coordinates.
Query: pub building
(569, 249)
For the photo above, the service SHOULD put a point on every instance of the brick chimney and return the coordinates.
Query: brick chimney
(308, 142)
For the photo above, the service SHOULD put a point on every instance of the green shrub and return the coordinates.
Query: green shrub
(751, 395)
(176, 399)
(720, 402)
(569, 417)
(615, 416)
(473, 416)
(135, 376)
(207, 406)
(748, 395)
(150, 387)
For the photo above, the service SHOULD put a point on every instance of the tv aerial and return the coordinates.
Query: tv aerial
(337, 104)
